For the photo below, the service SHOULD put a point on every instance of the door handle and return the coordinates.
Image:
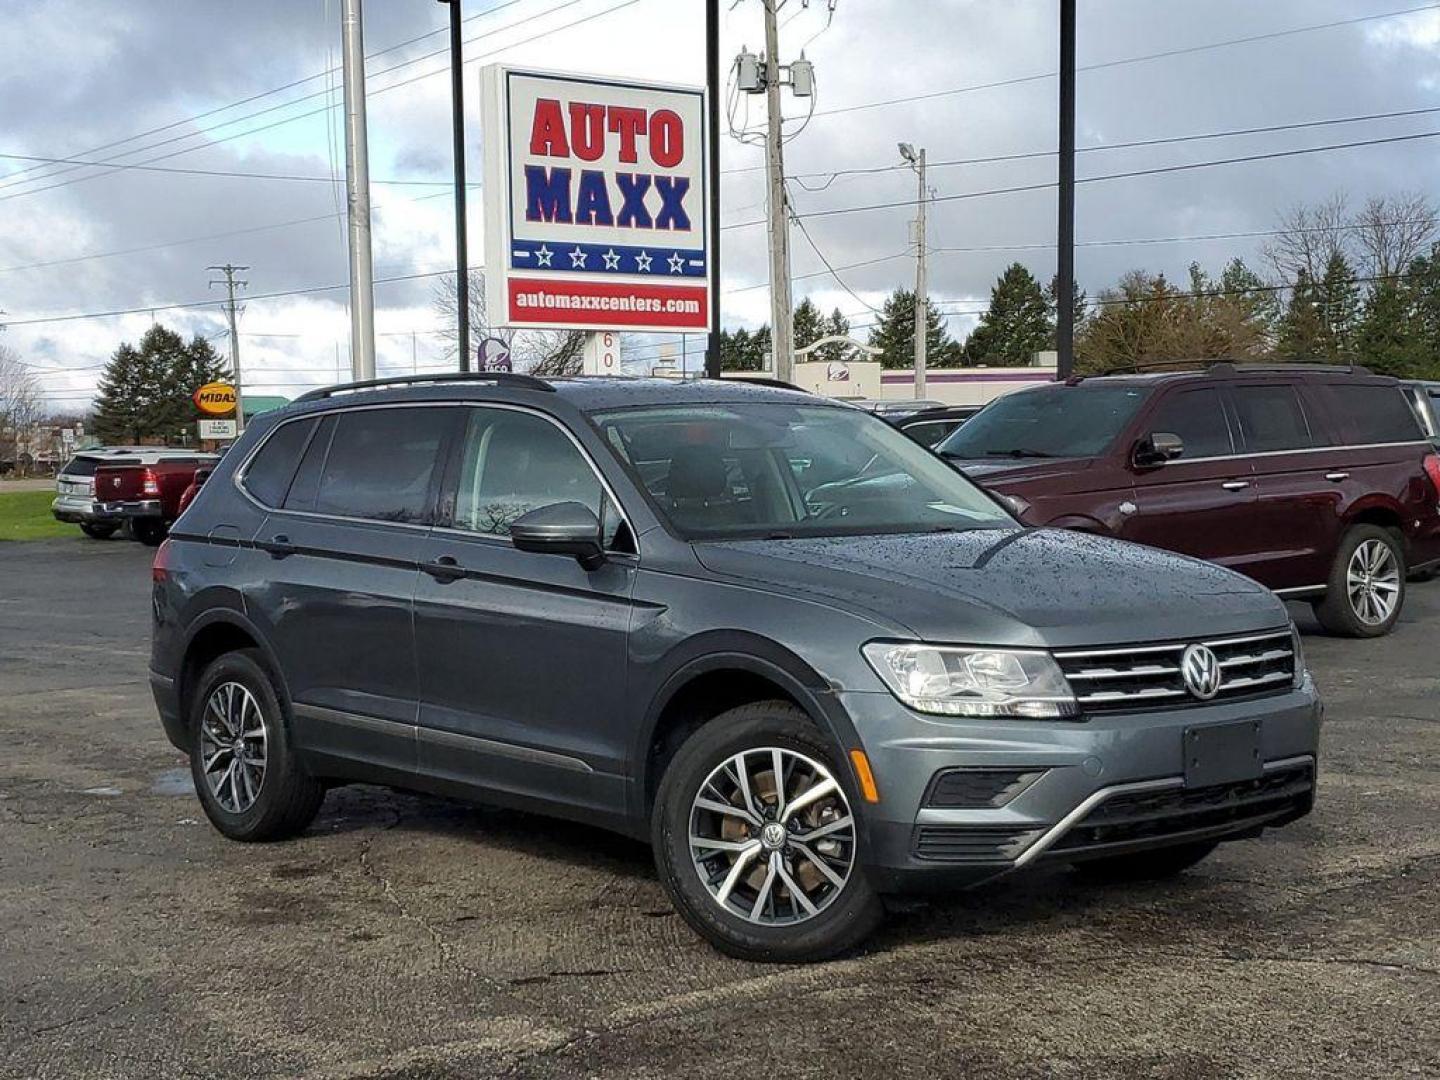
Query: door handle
(445, 569)
(279, 547)
(1337, 476)
(1235, 485)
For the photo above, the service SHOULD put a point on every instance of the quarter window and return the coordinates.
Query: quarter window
(1272, 419)
(381, 464)
(514, 462)
(1198, 418)
(268, 476)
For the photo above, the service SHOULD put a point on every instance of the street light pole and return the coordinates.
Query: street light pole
(1065, 231)
(712, 90)
(457, 123)
(357, 190)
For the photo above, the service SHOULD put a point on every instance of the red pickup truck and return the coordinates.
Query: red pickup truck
(148, 496)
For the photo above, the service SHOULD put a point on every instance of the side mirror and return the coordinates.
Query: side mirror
(1157, 448)
(567, 528)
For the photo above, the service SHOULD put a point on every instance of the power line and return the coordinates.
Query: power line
(220, 172)
(322, 93)
(1129, 145)
(253, 97)
(1168, 53)
(805, 232)
(1130, 174)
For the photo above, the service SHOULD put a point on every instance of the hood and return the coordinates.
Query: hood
(1037, 587)
(989, 469)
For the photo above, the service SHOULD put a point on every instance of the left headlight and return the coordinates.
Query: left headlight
(949, 681)
(1301, 672)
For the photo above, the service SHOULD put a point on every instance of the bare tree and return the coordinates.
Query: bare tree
(1391, 230)
(540, 352)
(20, 405)
(1308, 236)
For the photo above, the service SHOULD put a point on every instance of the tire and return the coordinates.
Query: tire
(1147, 865)
(149, 531)
(846, 908)
(270, 803)
(98, 532)
(1374, 560)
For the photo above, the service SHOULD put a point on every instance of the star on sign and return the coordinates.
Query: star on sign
(612, 260)
(643, 261)
(677, 263)
(577, 258)
(543, 255)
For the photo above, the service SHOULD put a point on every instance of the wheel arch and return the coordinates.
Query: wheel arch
(713, 674)
(217, 632)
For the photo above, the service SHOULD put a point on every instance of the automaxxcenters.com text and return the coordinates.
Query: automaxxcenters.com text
(681, 307)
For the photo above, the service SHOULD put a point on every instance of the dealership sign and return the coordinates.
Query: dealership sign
(595, 203)
(215, 399)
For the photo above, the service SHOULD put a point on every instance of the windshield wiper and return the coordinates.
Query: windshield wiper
(1019, 452)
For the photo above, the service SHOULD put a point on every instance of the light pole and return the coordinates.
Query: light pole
(922, 297)
(357, 190)
(1065, 227)
(457, 123)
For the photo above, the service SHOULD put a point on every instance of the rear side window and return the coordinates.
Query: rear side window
(1272, 419)
(268, 476)
(381, 463)
(1372, 413)
(1198, 417)
(931, 431)
(307, 478)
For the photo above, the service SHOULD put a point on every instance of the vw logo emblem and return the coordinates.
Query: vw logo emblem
(1200, 669)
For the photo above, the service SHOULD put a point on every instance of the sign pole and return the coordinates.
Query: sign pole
(712, 107)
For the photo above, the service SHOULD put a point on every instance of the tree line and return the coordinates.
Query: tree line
(1355, 286)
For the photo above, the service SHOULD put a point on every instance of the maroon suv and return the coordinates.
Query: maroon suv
(1316, 481)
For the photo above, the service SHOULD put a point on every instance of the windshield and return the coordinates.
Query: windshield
(778, 470)
(1051, 421)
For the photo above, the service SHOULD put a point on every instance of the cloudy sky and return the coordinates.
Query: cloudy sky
(226, 87)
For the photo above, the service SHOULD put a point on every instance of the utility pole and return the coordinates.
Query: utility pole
(712, 119)
(781, 324)
(230, 270)
(1065, 231)
(457, 124)
(922, 295)
(357, 191)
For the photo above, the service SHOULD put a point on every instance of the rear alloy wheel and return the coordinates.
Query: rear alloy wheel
(1367, 584)
(757, 842)
(98, 532)
(250, 783)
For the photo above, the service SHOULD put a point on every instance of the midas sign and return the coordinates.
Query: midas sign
(216, 398)
(595, 202)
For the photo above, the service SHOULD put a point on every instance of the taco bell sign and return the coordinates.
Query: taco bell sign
(595, 203)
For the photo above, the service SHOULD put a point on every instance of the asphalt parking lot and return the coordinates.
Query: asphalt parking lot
(412, 937)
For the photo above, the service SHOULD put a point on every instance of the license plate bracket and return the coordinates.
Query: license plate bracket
(1222, 753)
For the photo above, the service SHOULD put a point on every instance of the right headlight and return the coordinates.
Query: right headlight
(950, 681)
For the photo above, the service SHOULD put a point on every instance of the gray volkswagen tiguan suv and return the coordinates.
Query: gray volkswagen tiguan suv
(800, 654)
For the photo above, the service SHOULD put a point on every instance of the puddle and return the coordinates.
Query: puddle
(173, 782)
(108, 792)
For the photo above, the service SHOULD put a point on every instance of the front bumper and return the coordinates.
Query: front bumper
(1110, 784)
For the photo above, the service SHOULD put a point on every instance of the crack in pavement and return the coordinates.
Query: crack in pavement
(94, 1014)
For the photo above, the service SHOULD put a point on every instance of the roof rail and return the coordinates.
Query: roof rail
(1228, 366)
(494, 378)
(763, 380)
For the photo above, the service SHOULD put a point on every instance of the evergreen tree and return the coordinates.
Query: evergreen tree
(1387, 339)
(894, 334)
(1254, 301)
(1339, 307)
(808, 323)
(1422, 284)
(145, 393)
(1016, 325)
(1303, 334)
(835, 325)
(741, 350)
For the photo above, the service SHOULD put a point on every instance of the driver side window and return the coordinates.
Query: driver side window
(513, 462)
(1198, 417)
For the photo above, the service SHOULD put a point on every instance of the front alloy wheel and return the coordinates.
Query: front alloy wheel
(757, 838)
(772, 836)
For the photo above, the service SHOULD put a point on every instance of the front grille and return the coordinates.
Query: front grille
(1130, 676)
(1148, 815)
(973, 843)
(979, 787)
